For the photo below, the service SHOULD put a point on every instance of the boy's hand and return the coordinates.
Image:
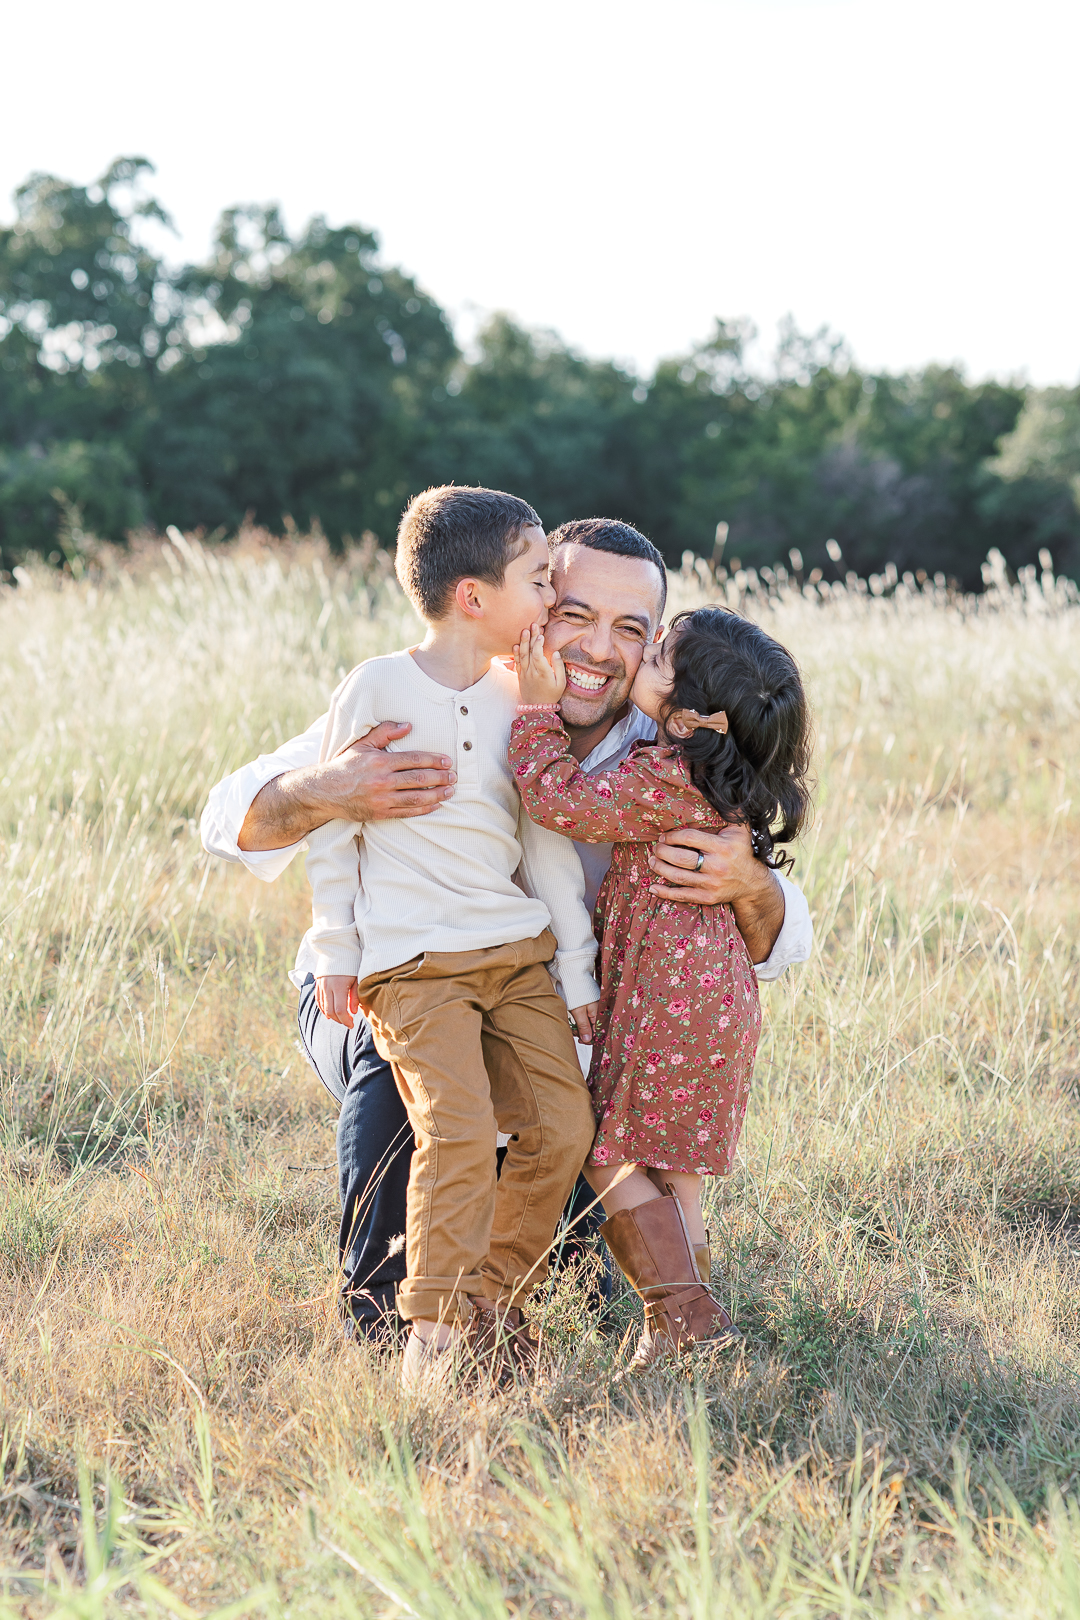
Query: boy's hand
(538, 680)
(584, 1022)
(337, 998)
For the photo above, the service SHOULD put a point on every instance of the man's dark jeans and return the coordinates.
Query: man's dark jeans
(374, 1154)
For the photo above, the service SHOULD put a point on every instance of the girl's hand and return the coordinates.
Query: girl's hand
(584, 1022)
(538, 680)
(337, 998)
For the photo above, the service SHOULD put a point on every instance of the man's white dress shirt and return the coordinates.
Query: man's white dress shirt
(231, 799)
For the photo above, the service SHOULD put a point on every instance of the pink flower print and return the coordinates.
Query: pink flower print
(650, 1068)
(656, 1057)
(650, 1119)
(599, 1153)
(706, 981)
(676, 1058)
(647, 1094)
(729, 1000)
(701, 941)
(679, 955)
(717, 1060)
(603, 791)
(620, 1131)
(682, 944)
(677, 1007)
(563, 821)
(680, 1094)
(703, 1136)
(705, 1114)
(723, 1021)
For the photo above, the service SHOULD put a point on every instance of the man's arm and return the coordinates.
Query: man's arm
(362, 783)
(770, 911)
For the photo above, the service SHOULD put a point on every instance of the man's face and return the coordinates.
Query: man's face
(607, 611)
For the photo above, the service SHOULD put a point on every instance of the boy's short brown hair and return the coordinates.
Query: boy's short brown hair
(453, 533)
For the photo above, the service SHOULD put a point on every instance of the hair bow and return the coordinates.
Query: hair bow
(684, 721)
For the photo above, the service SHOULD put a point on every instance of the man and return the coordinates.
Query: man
(611, 590)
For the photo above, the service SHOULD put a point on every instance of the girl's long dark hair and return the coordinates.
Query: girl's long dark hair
(757, 773)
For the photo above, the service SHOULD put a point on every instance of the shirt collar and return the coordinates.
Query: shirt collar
(633, 727)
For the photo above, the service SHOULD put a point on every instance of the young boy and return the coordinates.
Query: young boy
(444, 935)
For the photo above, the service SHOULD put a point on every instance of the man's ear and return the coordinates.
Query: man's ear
(659, 636)
(467, 597)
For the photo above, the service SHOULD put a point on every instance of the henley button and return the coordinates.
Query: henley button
(464, 710)
(466, 746)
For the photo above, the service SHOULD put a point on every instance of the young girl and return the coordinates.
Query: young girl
(679, 1017)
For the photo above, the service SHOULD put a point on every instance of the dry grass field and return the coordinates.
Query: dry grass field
(182, 1428)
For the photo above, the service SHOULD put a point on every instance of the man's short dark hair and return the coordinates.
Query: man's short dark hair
(453, 533)
(608, 534)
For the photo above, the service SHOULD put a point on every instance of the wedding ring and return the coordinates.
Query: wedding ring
(700, 862)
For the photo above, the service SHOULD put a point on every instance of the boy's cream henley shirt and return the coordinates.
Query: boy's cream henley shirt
(444, 881)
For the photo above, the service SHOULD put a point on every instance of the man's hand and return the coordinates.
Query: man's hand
(583, 1020)
(730, 875)
(337, 997)
(362, 783)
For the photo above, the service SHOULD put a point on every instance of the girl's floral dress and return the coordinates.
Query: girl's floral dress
(679, 1016)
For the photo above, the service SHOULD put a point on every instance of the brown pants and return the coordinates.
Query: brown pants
(479, 1042)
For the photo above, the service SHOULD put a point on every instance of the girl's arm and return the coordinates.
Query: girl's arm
(645, 795)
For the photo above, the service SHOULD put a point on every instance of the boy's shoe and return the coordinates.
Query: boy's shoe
(654, 1251)
(501, 1343)
(427, 1368)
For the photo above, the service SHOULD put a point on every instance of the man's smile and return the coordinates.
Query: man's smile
(585, 680)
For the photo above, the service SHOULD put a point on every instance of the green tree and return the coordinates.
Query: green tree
(84, 310)
(46, 493)
(305, 379)
(302, 384)
(529, 415)
(1035, 480)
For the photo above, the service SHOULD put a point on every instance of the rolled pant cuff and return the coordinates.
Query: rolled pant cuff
(514, 1291)
(438, 1299)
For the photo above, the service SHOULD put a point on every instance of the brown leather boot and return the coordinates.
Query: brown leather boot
(703, 1257)
(652, 1248)
(500, 1340)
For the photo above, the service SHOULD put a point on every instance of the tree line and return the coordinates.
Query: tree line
(301, 380)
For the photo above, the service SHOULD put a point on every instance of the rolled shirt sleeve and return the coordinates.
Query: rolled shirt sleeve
(795, 939)
(232, 798)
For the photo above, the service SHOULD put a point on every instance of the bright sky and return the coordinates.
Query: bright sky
(618, 170)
